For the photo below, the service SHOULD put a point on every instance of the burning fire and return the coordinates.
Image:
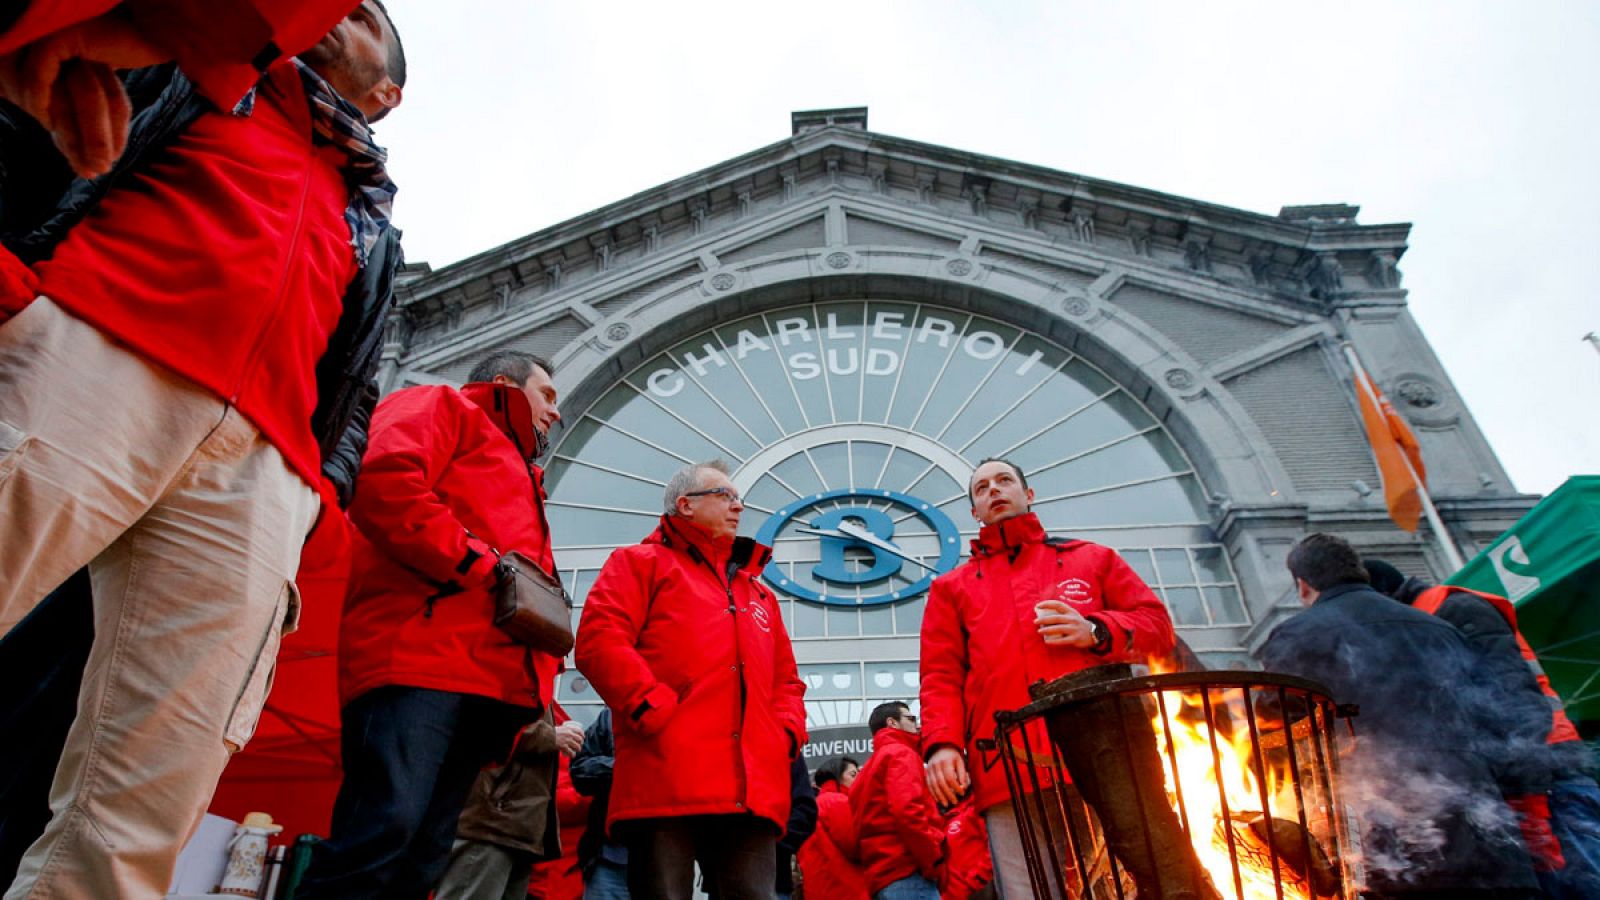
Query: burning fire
(1203, 746)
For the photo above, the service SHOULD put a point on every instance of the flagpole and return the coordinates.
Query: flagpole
(1447, 545)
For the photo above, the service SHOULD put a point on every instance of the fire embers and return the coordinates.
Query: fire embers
(1183, 786)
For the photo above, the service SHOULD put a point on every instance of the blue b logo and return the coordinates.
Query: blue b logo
(852, 526)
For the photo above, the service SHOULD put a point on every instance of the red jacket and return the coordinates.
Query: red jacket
(446, 478)
(561, 879)
(827, 865)
(225, 259)
(899, 831)
(689, 651)
(968, 865)
(216, 42)
(981, 650)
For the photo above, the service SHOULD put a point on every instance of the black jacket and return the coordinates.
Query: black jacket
(802, 822)
(41, 200)
(1428, 741)
(591, 773)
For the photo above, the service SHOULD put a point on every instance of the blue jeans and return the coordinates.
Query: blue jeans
(1575, 819)
(605, 880)
(410, 757)
(911, 887)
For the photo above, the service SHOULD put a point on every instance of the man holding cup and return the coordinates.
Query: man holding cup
(1025, 607)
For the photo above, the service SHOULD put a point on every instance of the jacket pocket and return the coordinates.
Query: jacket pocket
(13, 444)
(252, 696)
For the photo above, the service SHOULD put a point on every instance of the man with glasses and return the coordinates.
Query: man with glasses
(689, 651)
(898, 827)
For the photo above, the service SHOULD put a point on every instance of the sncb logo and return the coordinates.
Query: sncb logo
(858, 547)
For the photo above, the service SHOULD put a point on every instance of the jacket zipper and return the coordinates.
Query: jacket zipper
(738, 655)
(276, 308)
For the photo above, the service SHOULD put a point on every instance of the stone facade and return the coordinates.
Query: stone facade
(1225, 324)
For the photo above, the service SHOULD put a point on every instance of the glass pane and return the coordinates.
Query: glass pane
(1174, 567)
(834, 461)
(1026, 366)
(877, 620)
(908, 616)
(574, 688)
(752, 348)
(1077, 433)
(768, 494)
(799, 475)
(831, 679)
(807, 620)
(983, 350)
(1139, 561)
(593, 442)
(581, 481)
(844, 354)
(1226, 606)
(694, 404)
(626, 409)
(889, 332)
(581, 582)
(891, 680)
(1169, 501)
(904, 467)
(843, 622)
(1185, 606)
(936, 338)
(1212, 564)
(583, 527)
(583, 713)
(869, 457)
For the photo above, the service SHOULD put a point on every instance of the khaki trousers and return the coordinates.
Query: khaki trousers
(191, 526)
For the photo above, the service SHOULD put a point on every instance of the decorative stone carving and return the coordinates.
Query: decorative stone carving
(617, 332)
(602, 257)
(1261, 268)
(1083, 226)
(1180, 379)
(1197, 254)
(1030, 216)
(790, 186)
(1139, 238)
(1418, 392)
(1383, 271)
(838, 260)
(831, 166)
(959, 267)
(502, 297)
(723, 281)
(553, 276)
(651, 235)
(745, 204)
(926, 184)
(1076, 305)
(879, 176)
(1325, 277)
(697, 216)
(453, 314)
(978, 197)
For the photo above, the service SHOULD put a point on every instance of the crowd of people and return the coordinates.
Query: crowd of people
(199, 261)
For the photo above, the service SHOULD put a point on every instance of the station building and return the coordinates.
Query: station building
(853, 320)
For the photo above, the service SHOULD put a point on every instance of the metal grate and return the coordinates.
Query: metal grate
(1188, 785)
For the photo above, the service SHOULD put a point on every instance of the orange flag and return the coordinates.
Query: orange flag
(1393, 445)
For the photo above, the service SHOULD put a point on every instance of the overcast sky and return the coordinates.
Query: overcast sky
(1474, 121)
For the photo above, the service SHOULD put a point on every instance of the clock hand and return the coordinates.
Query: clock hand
(852, 530)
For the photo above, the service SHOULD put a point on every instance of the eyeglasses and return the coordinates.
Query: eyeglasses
(729, 494)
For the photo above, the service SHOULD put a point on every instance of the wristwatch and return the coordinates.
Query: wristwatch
(1098, 631)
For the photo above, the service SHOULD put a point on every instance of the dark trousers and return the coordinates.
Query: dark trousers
(410, 756)
(737, 854)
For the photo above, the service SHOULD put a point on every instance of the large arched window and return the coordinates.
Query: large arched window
(875, 412)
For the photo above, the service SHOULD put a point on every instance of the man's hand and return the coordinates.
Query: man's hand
(569, 737)
(1060, 624)
(67, 81)
(947, 776)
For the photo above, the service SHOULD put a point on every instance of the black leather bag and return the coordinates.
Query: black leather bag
(532, 607)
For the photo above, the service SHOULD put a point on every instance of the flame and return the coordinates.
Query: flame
(1202, 752)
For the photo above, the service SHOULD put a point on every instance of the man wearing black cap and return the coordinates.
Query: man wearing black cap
(1552, 784)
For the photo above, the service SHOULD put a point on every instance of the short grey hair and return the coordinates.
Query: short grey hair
(687, 479)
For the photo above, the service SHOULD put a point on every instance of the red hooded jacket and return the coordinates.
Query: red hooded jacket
(688, 649)
(446, 482)
(899, 831)
(827, 864)
(968, 865)
(981, 650)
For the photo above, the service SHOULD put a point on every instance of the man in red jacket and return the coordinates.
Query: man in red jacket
(899, 832)
(431, 689)
(1025, 607)
(157, 400)
(689, 651)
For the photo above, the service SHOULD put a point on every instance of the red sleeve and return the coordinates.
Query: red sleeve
(608, 638)
(43, 17)
(788, 691)
(414, 437)
(917, 820)
(944, 670)
(1138, 621)
(225, 45)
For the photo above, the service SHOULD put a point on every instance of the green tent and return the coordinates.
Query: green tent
(1549, 565)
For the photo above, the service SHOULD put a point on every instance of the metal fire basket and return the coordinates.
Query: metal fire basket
(1187, 785)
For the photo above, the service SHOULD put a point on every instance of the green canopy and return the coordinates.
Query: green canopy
(1549, 565)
